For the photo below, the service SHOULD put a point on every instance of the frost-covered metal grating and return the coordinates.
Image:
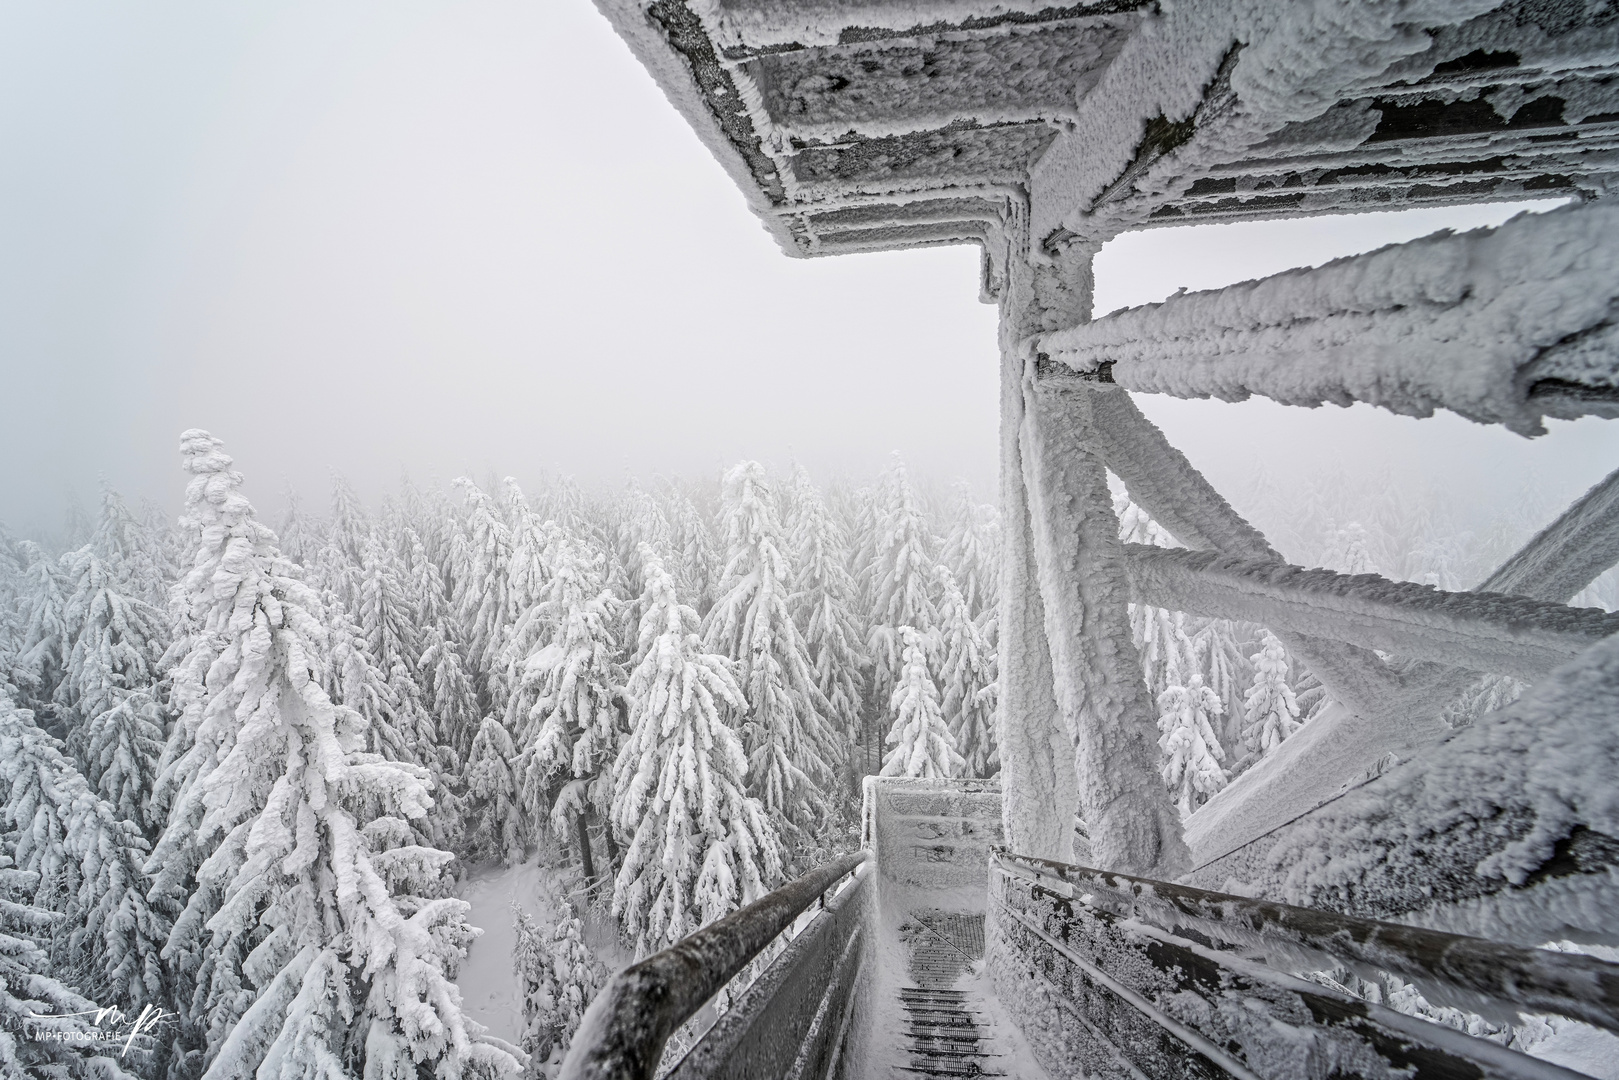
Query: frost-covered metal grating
(943, 945)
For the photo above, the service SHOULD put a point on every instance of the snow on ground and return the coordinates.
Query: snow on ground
(488, 982)
(1580, 1047)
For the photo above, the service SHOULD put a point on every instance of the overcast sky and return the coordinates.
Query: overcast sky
(450, 237)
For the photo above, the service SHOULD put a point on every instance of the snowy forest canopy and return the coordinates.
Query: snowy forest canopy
(244, 772)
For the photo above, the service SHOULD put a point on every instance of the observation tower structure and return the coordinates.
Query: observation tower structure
(983, 934)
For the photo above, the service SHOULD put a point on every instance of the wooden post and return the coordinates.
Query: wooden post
(1039, 792)
(1100, 691)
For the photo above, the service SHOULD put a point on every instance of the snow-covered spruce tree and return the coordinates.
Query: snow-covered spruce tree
(967, 676)
(1221, 657)
(824, 604)
(1349, 551)
(480, 593)
(31, 988)
(303, 941)
(85, 864)
(1271, 712)
(527, 570)
(301, 538)
(697, 565)
(41, 659)
(448, 690)
(699, 845)
(791, 748)
(920, 739)
(109, 696)
(565, 709)
(445, 682)
(495, 825)
(354, 679)
(12, 603)
(972, 550)
(1168, 654)
(902, 577)
(559, 975)
(1192, 752)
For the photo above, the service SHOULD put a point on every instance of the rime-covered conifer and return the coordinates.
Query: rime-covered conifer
(698, 561)
(34, 997)
(309, 938)
(972, 550)
(302, 539)
(481, 577)
(109, 696)
(824, 604)
(41, 659)
(1271, 713)
(495, 821)
(565, 707)
(967, 681)
(902, 577)
(559, 976)
(791, 748)
(920, 741)
(699, 845)
(1192, 752)
(85, 861)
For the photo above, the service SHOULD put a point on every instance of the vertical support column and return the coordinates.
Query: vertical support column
(1100, 694)
(1039, 796)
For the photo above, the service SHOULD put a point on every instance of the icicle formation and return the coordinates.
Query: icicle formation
(1192, 752)
(282, 821)
(1272, 713)
(921, 741)
(700, 847)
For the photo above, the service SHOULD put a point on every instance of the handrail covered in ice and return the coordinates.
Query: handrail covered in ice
(623, 1032)
(1124, 961)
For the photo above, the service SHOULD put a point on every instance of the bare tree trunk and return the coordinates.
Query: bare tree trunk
(586, 859)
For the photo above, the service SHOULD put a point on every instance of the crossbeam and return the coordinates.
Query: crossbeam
(1484, 632)
(1504, 325)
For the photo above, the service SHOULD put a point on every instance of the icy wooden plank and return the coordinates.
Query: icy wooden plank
(1568, 554)
(623, 1033)
(1173, 1003)
(1488, 632)
(1482, 323)
(1452, 969)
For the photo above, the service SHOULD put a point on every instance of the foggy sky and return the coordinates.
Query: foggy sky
(461, 237)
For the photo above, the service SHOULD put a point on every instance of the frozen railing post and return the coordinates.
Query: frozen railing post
(624, 1031)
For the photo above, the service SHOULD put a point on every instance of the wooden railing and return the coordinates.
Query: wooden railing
(1118, 976)
(789, 1022)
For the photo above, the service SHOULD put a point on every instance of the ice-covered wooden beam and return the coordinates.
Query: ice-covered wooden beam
(1507, 830)
(1481, 631)
(1224, 109)
(1503, 325)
